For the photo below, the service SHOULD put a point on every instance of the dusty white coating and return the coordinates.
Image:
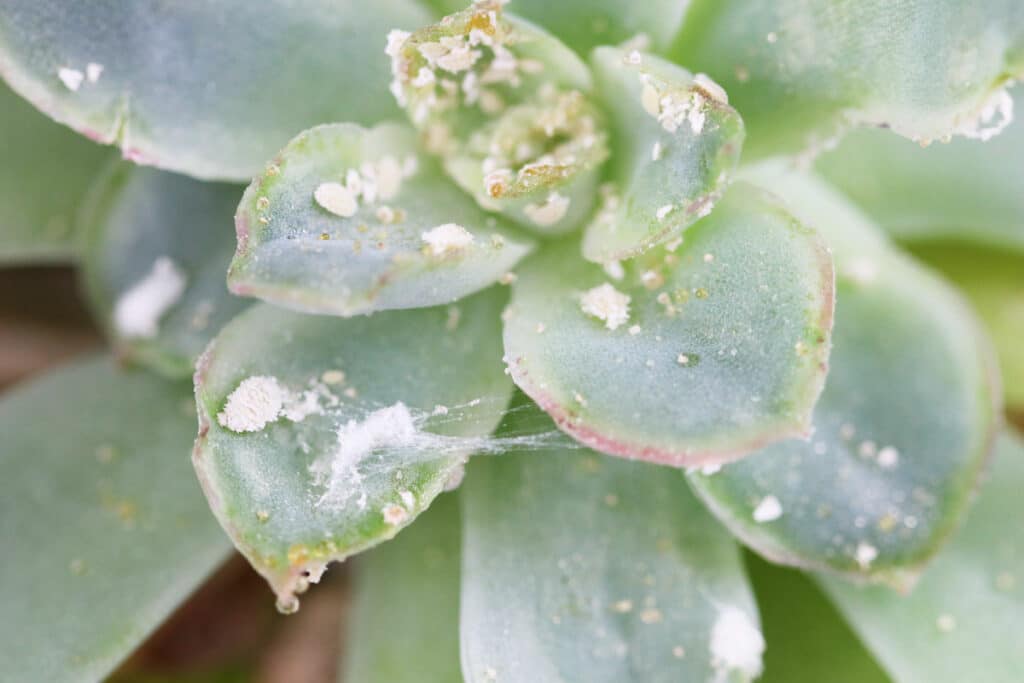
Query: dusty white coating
(994, 115)
(606, 303)
(137, 312)
(736, 644)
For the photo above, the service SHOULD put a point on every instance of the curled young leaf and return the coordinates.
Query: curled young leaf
(692, 354)
(211, 90)
(900, 434)
(965, 618)
(106, 530)
(318, 440)
(348, 220)
(676, 144)
(156, 245)
(604, 571)
(802, 71)
(506, 106)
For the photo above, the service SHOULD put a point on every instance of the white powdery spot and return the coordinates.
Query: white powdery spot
(338, 471)
(888, 457)
(865, 554)
(550, 212)
(255, 402)
(71, 78)
(768, 510)
(606, 303)
(337, 199)
(138, 311)
(736, 644)
(447, 239)
(993, 116)
(93, 71)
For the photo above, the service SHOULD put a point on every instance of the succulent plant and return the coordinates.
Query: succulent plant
(587, 295)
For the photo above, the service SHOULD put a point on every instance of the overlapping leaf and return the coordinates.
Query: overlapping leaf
(348, 220)
(801, 71)
(698, 354)
(102, 521)
(44, 177)
(901, 431)
(321, 437)
(957, 191)
(676, 144)
(578, 567)
(211, 90)
(156, 248)
(404, 627)
(965, 618)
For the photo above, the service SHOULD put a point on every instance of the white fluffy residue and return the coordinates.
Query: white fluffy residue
(446, 239)
(736, 644)
(71, 78)
(338, 470)
(255, 402)
(259, 400)
(337, 199)
(768, 510)
(138, 311)
(994, 115)
(552, 210)
(606, 303)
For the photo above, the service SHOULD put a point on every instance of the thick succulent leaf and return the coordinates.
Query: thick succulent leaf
(211, 90)
(45, 175)
(585, 24)
(808, 641)
(993, 281)
(803, 70)
(676, 144)
(965, 619)
(156, 247)
(411, 238)
(900, 434)
(720, 349)
(404, 627)
(578, 567)
(506, 105)
(102, 522)
(320, 437)
(961, 191)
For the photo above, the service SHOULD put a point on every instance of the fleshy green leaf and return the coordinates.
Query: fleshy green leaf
(993, 282)
(585, 24)
(348, 220)
(696, 356)
(961, 191)
(808, 641)
(103, 526)
(156, 248)
(677, 142)
(801, 71)
(211, 90)
(506, 105)
(964, 621)
(578, 567)
(321, 437)
(44, 177)
(900, 433)
(404, 627)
